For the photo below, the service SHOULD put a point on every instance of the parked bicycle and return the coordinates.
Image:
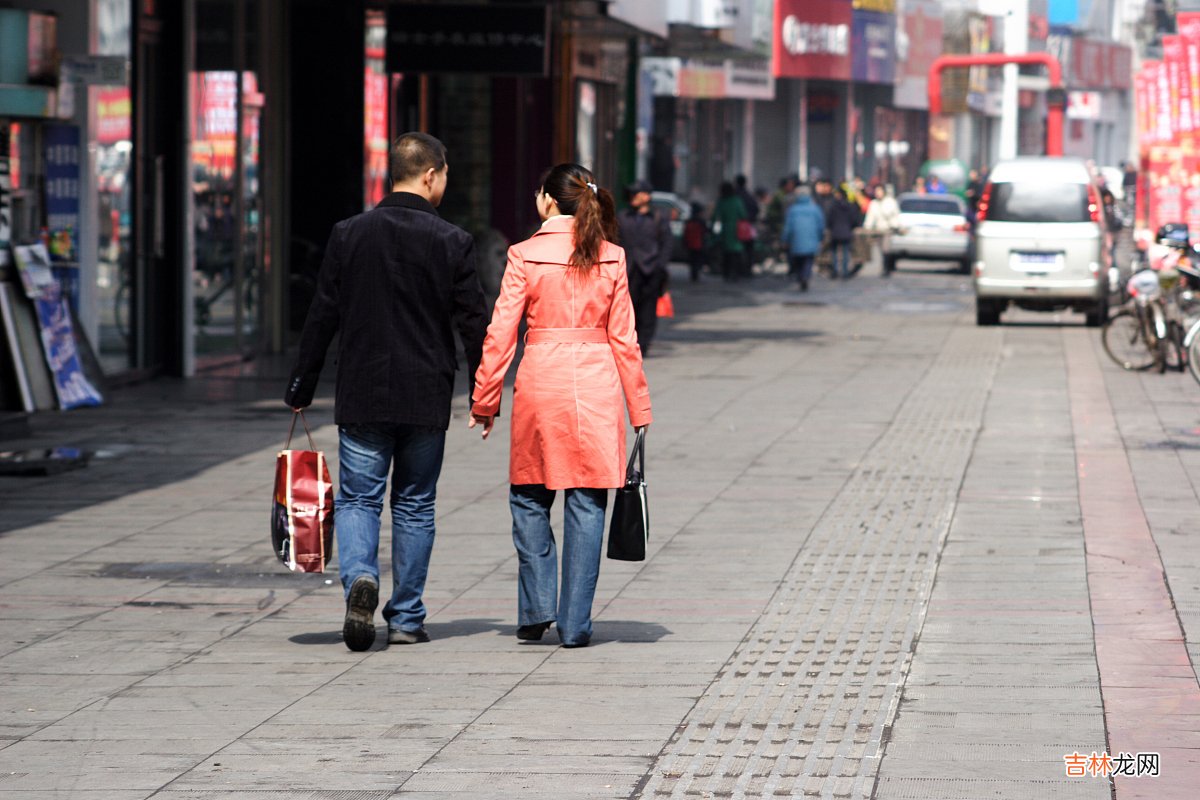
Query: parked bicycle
(1155, 327)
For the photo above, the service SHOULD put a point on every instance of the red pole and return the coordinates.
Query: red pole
(1054, 116)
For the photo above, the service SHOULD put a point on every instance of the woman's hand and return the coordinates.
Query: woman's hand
(486, 422)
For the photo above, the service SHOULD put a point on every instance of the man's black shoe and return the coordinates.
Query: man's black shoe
(358, 630)
(532, 633)
(398, 636)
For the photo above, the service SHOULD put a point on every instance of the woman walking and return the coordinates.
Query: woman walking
(729, 212)
(568, 282)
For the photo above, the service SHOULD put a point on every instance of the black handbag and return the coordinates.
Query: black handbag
(629, 529)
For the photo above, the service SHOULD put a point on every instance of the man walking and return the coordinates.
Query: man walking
(802, 232)
(393, 281)
(646, 237)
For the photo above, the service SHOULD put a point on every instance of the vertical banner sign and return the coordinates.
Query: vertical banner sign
(1175, 59)
(62, 205)
(62, 190)
(5, 198)
(1188, 25)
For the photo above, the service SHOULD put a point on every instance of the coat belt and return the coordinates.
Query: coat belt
(566, 335)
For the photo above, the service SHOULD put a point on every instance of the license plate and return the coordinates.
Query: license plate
(1036, 262)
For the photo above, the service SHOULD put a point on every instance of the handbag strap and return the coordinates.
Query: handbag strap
(638, 452)
(299, 413)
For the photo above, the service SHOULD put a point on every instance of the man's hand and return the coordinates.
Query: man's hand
(486, 422)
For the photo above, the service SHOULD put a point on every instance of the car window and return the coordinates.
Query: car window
(929, 205)
(1039, 202)
(670, 210)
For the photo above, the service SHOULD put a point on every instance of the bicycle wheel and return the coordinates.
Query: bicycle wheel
(1124, 339)
(1193, 355)
(1162, 344)
(1176, 356)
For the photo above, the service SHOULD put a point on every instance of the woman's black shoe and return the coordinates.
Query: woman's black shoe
(532, 633)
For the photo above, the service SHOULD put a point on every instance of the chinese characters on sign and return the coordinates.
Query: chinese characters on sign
(1102, 765)
(812, 40)
(496, 39)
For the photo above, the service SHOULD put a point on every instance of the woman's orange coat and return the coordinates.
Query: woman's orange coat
(568, 420)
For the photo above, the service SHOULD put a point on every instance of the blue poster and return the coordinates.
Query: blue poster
(62, 190)
(58, 343)
(873, 47)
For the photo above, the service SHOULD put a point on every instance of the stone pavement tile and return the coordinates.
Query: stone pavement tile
(71, 778)
(352, 730)
(301, 771)
(503, 785)
(999, 788)
(71, 750)
(73, 794)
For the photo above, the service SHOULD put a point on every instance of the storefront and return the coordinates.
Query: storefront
(811, 58)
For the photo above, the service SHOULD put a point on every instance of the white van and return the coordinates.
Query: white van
(1039, 240)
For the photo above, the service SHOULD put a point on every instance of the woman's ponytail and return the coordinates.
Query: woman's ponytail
(574, 189)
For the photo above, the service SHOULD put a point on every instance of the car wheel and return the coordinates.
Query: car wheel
(1099, 315)
(987, 312)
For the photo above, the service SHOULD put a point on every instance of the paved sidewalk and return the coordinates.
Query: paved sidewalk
(867, 578)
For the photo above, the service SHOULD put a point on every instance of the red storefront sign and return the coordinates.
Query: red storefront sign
(113, 116)
(1100, 65)
(812, 40)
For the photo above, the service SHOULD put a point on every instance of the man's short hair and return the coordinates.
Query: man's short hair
(413, 153)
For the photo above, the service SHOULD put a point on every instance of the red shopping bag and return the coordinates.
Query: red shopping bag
(302, 512)
(665, 306)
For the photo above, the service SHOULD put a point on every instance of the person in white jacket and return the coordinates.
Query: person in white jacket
(883, 217)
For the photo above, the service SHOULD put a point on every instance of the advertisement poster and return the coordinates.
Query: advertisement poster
(54, 322)
(5, 203)
(918, 44)
(812, 40)
(873, 47)
(62, 190)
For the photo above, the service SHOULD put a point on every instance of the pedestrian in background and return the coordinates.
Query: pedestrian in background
(883, 216)
(393, 281)
(1129, 180)
(695, 240)
(823, 197)
(751, 205)
(803, 231)
(840, 221)
(646, 236)
(728, 213)
(777, 207)
(568, 425)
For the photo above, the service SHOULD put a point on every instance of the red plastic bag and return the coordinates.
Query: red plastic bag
(665, 306)
(746, 231)
(302, 512)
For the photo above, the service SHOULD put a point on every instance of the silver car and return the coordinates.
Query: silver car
(931, 226)
(1040, 240)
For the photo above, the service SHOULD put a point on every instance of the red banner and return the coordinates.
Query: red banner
(113, 116)
(1175, 59)
(812, 40)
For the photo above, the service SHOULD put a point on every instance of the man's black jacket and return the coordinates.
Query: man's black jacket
(392, 281)
(646, 239)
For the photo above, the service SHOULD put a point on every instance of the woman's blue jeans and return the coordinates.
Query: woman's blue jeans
(365, 453)
(537, 557)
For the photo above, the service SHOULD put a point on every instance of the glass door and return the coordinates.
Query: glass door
(226, 112)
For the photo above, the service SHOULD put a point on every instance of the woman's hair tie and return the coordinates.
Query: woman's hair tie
(592, 186)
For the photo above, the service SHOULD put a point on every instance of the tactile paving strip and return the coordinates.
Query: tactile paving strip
(801, 707)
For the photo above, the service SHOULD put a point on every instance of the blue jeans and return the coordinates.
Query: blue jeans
(800, 266)
(841, 258)
(583, 534)
(365, 453)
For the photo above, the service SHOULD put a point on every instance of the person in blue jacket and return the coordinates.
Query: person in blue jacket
(803, 229)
